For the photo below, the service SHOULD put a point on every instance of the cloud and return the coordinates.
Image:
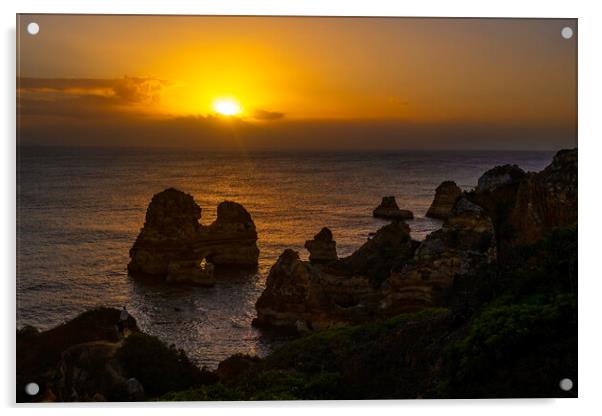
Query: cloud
(81, 99)
(137, 90)
(126, 90)
(267, 115)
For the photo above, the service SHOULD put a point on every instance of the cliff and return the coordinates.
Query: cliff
(391, 274)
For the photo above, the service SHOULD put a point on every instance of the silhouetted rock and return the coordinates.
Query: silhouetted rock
(170, 233)
(391, 274)
(389, 210)
(388, 249)
(87, 359)
(322, 249)
(465, 245)
(89, 372)
(39, 354)
(172, 243)
(232, 238)
(301, 296)
(500, 175)
(446, 196)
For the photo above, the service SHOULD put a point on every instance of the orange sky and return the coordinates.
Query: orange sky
(300, 73)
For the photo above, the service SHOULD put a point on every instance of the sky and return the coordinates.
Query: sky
(264, 83)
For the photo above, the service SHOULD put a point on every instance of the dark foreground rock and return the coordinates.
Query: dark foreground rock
(86, 359)
(175, 247)
(389, 210)
(446, 196)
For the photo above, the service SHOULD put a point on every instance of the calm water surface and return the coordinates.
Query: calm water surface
(80, 210)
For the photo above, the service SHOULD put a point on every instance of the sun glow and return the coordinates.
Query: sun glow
(227, 107)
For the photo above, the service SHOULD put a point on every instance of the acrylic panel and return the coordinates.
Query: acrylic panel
(218, 208)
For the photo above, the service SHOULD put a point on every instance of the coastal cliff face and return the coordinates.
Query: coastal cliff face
(391, 274)
(465, 245)
(174, 246)
(524, 207)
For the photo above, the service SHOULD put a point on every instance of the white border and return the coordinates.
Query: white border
(590, 204)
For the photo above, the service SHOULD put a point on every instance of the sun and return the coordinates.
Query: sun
(227, 107)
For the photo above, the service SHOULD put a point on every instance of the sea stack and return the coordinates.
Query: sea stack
(322, 249)
(175, 247)
(232, 238)
(389, 210)
(446, 196)
(170, 233)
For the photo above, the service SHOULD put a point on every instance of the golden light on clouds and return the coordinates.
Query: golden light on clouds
(300, 76)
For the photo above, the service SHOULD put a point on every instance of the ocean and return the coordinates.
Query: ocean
(79, 211)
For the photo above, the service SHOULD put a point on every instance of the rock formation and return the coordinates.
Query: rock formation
(170, 232)
(389, 210)
(53, 361)
(303, 296)
(87, 359)
(498, 176)
(391, 274)
(446, 196)
(322, 249)
(231, 239)
(527, 207)
(172, 244)
(90, 372)
(465, 245)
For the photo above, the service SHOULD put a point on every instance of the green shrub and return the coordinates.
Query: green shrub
(519, 350)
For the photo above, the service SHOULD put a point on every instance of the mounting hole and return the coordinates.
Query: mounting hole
(33, 28)
(566, 384)
(32, 389)
(566, 32)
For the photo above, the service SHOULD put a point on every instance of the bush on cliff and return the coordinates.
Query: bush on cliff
(523, 342)
(158, 367)
(388, 359)
(519, 350)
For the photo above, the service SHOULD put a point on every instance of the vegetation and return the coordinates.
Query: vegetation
(523, 342)
(517, 338)
(158, 367)
(510, 331)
